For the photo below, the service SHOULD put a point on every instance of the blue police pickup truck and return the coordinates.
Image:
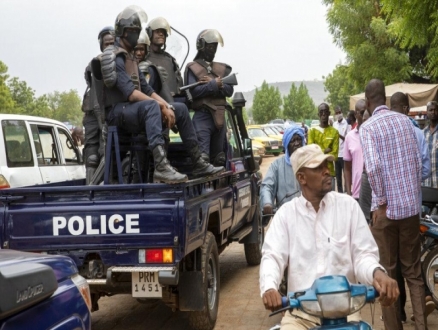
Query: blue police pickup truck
(153, 241)
(42, 292)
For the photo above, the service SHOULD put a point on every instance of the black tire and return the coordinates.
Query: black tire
(260, 160)
(206, 319)
(253, 251)
(430, 271)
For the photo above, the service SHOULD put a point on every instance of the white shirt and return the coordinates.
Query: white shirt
(334, 241)
(343, 129)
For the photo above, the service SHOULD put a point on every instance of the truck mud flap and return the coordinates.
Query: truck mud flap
(191, 295)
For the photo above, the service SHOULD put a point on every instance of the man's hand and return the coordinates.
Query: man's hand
(205, 80)
(328, 150)
(219, 82)
(168, 114)
(272, 300)
(267, 209)
(379, 214)
(387, 288)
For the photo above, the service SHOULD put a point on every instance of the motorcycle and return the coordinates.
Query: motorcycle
(429, 246)
(332, 299)
(429, 250)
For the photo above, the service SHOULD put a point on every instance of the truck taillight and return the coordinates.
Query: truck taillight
(83, 288)
(155, 256)
(4, 183)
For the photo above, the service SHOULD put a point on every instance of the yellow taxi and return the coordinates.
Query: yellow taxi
(272, 146)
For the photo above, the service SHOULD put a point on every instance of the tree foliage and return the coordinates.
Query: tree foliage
(266, 104)
(19, 98)
(414, 24)
(363, 32)
(298, 105)
(381, 42)
(66, 106)
(339, 87)
(6, 100)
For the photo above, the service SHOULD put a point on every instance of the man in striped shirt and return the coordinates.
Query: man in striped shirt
(393, 163)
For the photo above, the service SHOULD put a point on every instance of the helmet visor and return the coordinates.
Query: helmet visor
(160, 23)
(131, 10)
(211, 36)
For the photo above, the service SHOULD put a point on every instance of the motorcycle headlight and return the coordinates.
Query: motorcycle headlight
(334, 306)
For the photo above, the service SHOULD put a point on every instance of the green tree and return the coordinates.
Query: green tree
(361, 29)
(339, 87)
(7, 104)
(66, 106)
(266, 104)
(298, 105)
(414, 24)
(22, 95)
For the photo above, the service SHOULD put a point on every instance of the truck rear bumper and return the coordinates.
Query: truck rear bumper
(166, 275)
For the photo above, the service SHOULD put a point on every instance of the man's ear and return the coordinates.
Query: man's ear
(301, 178)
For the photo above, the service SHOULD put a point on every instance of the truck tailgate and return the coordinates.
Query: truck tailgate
(84, 218)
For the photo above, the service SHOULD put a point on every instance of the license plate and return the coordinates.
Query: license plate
(145, 285)
(274, 147)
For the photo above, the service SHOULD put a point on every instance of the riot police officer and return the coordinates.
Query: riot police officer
(153, 74)
(167, 69)
(92, 121)
(209, 98)
(134, 106)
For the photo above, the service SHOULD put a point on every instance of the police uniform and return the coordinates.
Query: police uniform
(144, 115)
(168, 72)
(209, 104)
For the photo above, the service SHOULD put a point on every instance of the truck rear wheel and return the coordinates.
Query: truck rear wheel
(206, 319)
(253, 251)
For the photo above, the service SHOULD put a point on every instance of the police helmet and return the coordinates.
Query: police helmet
(158, 23)
(131, 17)
(106, 30)
(208, 36)
(143, 39)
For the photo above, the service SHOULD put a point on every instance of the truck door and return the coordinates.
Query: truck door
(242, 182)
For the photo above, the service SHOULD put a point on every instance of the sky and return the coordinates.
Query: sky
(48, 43)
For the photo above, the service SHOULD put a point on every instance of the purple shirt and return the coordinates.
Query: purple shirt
(393, 162)
(353, 153)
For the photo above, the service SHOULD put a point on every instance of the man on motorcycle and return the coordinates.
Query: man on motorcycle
(322, 232)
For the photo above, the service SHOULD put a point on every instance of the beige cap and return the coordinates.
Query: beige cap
(310, 156)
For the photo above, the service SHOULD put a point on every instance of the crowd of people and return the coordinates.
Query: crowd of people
(135, 84)
(369, 229)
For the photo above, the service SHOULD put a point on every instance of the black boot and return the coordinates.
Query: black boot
(163, 171)
(202, 167)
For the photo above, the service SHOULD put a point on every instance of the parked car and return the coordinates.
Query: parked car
(314, 123)
(42, 292)
(35, 150)
(258, 151)
(272, 132)
(272, 146)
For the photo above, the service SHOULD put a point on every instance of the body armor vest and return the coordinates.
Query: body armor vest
(216, 102)
(172, 75)
(112, 96)
(164, 91)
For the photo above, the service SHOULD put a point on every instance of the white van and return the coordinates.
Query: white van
(35, 150)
